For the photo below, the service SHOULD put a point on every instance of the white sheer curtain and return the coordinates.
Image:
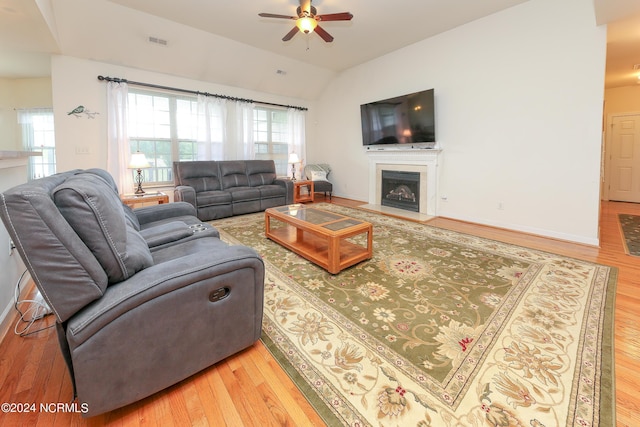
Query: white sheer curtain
(212, 117)
(296, 130)
(243, 128)
(118, 147)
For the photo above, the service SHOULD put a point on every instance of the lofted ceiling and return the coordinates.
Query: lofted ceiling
(378, 26)
(226, 42)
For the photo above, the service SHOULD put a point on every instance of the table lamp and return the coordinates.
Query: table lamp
(138, 161)
(293, 159)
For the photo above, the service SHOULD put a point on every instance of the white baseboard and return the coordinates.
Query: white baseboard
(595, 242)
(6, 320)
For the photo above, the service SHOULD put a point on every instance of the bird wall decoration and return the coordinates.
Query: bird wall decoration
(80, 110)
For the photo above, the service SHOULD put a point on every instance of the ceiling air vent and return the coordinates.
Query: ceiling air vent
(157, 40)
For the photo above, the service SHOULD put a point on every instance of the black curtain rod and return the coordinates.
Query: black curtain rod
(194, 92)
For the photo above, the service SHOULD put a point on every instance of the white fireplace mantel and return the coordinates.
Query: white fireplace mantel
(423, 159)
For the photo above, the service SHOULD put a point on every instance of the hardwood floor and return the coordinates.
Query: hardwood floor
(250, 389)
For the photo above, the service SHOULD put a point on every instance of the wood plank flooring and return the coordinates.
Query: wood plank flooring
(250, 389)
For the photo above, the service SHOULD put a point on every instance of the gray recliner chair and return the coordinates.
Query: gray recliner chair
(143, 298)
(318, 173)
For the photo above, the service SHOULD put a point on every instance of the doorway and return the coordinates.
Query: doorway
(622, 180)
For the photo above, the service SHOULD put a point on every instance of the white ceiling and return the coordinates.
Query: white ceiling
(202, 34)
(378, 26)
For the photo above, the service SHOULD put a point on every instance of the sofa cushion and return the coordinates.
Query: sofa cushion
(269, 191)
(210, 198)
(200, 175)
(233, 173)
(244, 194)
(203, 183)
(131, 217)
(96, 214)
(260, 172)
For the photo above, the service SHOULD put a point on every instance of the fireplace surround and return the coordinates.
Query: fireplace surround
(423, 161)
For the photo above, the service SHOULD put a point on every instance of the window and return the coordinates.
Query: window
(165, 128)
(168, 127)
(270, 135)
(38, 134)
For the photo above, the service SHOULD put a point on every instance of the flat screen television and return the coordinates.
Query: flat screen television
(405, 119)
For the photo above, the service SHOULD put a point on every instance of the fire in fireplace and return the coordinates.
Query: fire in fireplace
(401, 190)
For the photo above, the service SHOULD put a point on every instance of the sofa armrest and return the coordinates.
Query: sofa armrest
(205, 259)
(169, 232)
(288, 184)
(154, 213)
(185, 193)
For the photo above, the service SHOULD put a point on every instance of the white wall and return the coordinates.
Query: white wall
(16, 94)
(8, 137)
(12, 173)
(75, 83)
(518, 114)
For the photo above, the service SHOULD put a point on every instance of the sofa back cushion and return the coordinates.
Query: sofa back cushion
(130, 217)
(62, 266)
(233, 173)
(203, 175)
(96, 214)
(261, 172)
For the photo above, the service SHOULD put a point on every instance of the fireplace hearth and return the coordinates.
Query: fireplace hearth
(401, 190)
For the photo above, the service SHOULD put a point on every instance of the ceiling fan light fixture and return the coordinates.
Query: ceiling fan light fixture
(306, 20)
(306, 24)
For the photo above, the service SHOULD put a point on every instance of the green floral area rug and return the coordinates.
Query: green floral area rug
(630, 226)
(440, 329)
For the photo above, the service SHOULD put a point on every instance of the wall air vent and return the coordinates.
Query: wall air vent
(157, 40)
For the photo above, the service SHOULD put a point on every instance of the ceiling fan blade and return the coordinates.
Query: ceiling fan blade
(274, 15)
(322, 33)
(290, 34)
(343, 16)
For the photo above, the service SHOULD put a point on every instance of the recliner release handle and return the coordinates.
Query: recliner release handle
(219, 294)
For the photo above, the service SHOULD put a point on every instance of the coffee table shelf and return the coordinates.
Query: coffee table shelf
(319, 236)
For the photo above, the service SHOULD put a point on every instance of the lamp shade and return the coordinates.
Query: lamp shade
(293, 158)
(306, 24)
(138, 161)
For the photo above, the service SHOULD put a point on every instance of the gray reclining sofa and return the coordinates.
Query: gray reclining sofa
(219, 189)
(143, 298)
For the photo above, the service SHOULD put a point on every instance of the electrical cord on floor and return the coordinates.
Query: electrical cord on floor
(37, 310)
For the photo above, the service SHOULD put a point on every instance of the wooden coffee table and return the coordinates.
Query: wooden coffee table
(324, 238)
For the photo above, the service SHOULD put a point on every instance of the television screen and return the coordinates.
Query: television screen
(406, 119)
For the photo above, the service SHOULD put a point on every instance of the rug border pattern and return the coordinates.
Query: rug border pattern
(587, 407)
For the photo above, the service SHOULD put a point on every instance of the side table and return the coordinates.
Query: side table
(302, 198)
(134, 199)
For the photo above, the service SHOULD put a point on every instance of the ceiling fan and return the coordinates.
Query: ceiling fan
(307, 20)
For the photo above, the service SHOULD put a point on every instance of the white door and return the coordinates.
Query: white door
(624, 161)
